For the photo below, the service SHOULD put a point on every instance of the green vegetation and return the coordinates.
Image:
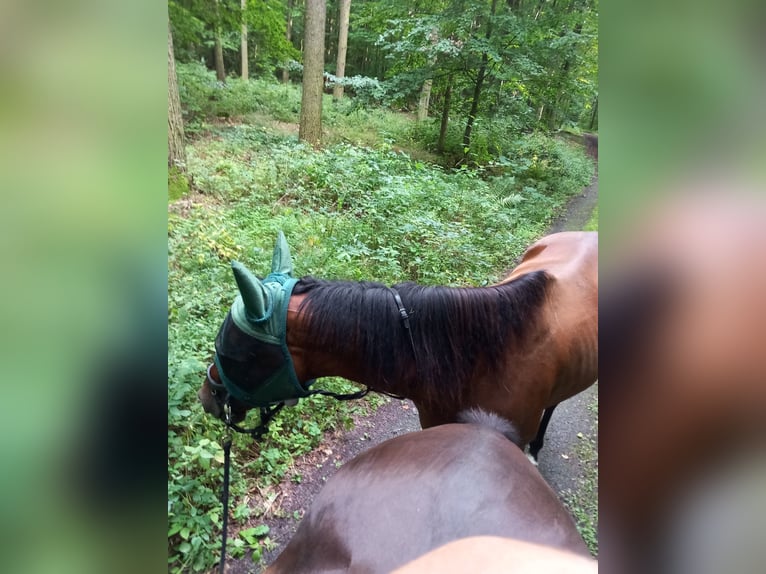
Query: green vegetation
(592, 225)
(349, 212)
(583, 502)
(178, 185)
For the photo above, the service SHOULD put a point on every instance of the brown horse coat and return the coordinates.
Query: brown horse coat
(414, 493)
(553, 356)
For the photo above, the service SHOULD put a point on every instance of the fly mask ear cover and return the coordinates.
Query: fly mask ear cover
(260, 310)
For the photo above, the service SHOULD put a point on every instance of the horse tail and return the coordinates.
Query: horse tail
(481, 417)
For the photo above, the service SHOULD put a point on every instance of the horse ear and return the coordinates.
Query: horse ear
(254, 294)
(281, 262)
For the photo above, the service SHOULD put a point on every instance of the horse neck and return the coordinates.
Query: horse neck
(311, 361)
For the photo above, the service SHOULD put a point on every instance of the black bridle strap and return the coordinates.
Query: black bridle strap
(406, 322)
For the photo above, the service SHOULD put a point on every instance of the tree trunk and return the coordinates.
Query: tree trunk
(475, 102)
(289, 36)
(340, 68)
(220, 72)
(445, 116)
(425, 97)
(310, 129)
(243, 44)
(593, 116)
(176, 143)
(479, 84)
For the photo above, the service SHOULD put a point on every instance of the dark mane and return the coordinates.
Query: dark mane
(454, 329)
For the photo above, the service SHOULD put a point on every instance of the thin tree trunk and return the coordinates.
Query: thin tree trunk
(593, 116)
(176, 140)
(425, 97)
(479, 84)
(289, 36)
(220, 72)
(310, 129)
(475, 102)
(340, 68)
(445, 116)
(243, 43)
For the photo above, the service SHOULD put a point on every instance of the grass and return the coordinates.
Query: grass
(583, 501)
(592, 224)
(357, 209)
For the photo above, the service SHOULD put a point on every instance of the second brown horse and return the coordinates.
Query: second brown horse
(419, 491)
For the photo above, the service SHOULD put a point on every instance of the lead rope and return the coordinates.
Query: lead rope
(266, 415)
(225, 497)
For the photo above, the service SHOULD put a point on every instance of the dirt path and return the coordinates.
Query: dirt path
(565, 464)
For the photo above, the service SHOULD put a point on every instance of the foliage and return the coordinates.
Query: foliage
(583, 501)
(195, 24)
(178, 184)
(202, 97)
(592, 225)
(348, 212)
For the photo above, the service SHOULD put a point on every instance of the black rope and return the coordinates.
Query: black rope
(225, 498)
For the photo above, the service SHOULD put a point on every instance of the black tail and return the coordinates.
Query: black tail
(480, 417)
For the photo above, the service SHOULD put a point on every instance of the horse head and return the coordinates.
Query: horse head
(252, 366)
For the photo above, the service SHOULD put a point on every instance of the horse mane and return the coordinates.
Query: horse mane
(453, 329)
(493, 421)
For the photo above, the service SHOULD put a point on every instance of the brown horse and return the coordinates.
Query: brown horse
(684, 324)
(516, 348)
(419, 491)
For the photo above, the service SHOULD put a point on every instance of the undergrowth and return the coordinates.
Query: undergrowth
(348, 212)
(583, 501)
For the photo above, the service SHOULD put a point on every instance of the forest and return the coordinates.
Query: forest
(428, 141)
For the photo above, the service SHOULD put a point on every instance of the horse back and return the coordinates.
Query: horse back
(419, 491)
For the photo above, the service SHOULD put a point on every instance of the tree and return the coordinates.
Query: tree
(288, 37)
(340, 69)
(445, 115)
(176, 141)
(310, 129)
(220, 71)
(243, 43)
(479, 83)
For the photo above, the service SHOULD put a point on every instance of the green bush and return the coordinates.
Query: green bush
(204, 98)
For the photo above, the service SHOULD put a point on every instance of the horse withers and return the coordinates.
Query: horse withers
(419, 491)
(516, 348)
